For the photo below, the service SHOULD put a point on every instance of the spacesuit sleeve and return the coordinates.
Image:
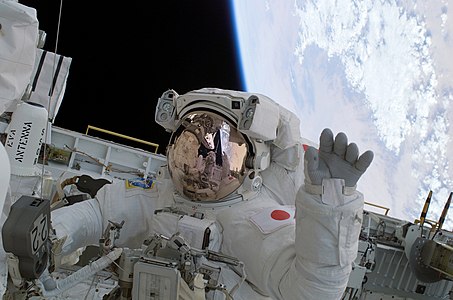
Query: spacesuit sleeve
(326, 241)
(79, 225)
(84, 223)
(308, 257)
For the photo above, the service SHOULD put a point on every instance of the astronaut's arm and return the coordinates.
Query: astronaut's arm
(78, 225)
(84, 223)
(328, 220)
(326, 243)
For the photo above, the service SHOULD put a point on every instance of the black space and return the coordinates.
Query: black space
(126, 54)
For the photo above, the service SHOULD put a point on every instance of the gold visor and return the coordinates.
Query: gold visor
(207, 157)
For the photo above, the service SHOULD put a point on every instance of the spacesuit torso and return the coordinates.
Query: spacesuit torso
(258, 228)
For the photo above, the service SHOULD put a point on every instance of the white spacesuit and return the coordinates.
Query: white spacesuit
(241, 181)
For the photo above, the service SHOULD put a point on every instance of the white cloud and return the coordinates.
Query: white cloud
(386, 52)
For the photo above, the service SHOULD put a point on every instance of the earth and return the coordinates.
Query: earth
(380, 71)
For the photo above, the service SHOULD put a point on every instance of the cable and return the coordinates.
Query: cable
(51, 93)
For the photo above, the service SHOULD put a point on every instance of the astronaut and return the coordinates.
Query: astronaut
(289, 211)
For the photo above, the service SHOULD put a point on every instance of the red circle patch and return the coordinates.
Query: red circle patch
(279, 215)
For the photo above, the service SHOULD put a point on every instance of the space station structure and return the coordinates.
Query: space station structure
(398, 259)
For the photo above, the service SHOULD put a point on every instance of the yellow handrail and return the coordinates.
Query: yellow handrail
(379, 206)
(123, 136)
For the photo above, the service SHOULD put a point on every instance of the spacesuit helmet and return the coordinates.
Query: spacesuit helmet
(215, 148)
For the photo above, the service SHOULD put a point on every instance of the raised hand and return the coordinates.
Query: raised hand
(335, 159)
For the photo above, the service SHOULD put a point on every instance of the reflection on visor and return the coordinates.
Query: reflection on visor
(207, 158)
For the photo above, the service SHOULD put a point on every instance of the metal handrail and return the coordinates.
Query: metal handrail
(379, 206)
(122, 136)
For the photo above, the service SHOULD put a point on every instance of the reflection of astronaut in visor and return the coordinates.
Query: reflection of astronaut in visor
(200, 155)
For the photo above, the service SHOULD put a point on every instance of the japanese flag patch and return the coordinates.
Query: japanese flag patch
(271, 219)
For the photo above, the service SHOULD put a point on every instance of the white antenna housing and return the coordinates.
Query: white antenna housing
(25, 136)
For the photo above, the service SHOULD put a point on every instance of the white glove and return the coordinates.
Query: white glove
(335, 159)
